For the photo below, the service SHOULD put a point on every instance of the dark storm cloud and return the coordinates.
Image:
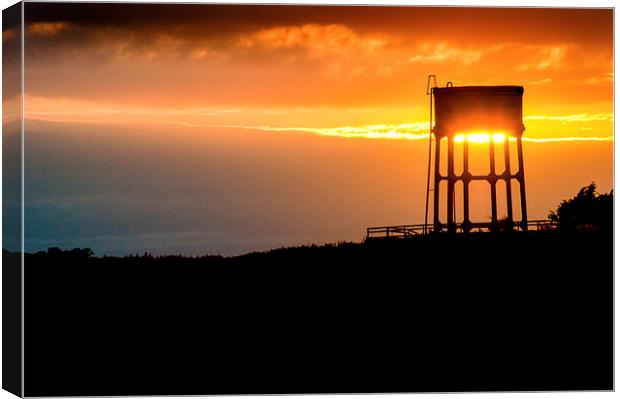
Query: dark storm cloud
(592, 25)
(321, 55)
(61, 31)
(212, 19)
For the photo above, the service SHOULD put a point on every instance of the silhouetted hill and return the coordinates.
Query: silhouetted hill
(444, 313)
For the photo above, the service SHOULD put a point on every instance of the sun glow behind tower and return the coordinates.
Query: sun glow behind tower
(480, 137)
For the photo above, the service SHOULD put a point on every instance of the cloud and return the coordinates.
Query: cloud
(599, 79)
(70, 110)
(573, 118)
(549, 57)
(405, 131)
(336, 51)
(8, 34)
(539, 82)
(565, 139)
(47, 28)
(274, 56)
(442, 52)
(258, 119)
(317, 39)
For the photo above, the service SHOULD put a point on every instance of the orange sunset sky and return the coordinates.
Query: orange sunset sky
(225, 129)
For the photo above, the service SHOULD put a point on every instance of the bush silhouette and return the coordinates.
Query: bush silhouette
(75, 253)
(588, 210)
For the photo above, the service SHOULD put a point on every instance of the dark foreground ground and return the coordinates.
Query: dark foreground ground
(517, 312)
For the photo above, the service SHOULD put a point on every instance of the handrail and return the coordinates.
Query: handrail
(409, 230)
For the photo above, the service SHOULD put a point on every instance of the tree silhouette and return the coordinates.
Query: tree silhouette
(588, 210)
(76, 253)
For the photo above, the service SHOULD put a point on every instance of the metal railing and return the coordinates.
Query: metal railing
(411, 230)
(538, 225)
(402, 231)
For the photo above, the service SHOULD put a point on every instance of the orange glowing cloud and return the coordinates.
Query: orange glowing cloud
(318, 39)
(549, 57)
(343, 59)
(443, 52)
(47, 28)
(8, 34)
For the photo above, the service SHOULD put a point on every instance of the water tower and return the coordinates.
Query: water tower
(485, 111)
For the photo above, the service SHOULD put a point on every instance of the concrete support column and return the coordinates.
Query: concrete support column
(451, 181)
(521, 178)
(436, 223)
(465, 180)
(508, 180)
(492, 180)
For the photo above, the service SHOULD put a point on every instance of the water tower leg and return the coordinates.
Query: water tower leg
(436, 224)
(451, 227)
(521, 178)
(508, 181)
(466, 226)
(492, 180)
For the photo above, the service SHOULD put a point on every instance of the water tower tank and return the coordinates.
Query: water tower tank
(491, 109)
